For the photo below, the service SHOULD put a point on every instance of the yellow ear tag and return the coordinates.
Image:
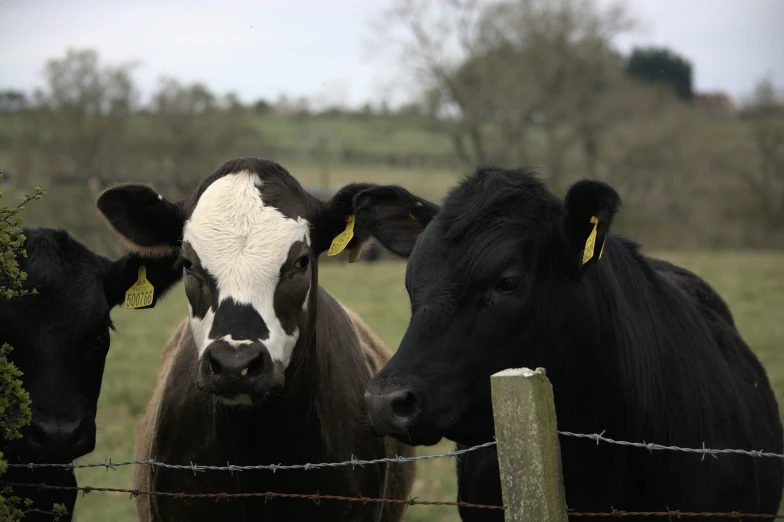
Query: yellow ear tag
(412, 216)
(602, 250)
(140, 294)
(342, 239)
(590, 242)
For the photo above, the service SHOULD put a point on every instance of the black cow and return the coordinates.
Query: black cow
(506, 274)
(60, 339)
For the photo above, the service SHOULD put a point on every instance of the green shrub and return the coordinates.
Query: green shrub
(14, 400)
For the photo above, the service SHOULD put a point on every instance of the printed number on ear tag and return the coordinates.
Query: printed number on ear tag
(590, 242)
(141, 293)
(342, 239)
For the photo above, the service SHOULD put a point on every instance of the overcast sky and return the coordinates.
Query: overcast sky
(315, 48)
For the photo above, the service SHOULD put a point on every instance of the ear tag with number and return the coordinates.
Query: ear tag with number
(141, 293)
(590, 242)
(342, 239)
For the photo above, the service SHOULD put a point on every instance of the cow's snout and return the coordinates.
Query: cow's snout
(392, 410)
(61, 439)
(240, 363)
(229, 370)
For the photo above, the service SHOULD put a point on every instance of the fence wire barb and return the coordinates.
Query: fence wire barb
(672, 514)
(354, 462)
(317, 497)
(599, 437)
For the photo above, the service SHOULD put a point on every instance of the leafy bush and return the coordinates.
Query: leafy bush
(14, 400)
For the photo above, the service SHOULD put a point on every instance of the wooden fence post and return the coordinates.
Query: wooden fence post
(529, 454)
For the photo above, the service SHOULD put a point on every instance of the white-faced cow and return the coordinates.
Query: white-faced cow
(507, 275)
(60, 338)
(268, 368)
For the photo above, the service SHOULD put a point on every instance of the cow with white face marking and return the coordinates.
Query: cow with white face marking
(268, 368)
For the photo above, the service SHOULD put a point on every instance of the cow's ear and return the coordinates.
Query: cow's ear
(337, 228)
(589, 208)
(139, 282)
(394, 216)
(146, 222)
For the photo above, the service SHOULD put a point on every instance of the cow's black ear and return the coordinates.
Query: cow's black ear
(337, 228)
(139, 282)
(394, 216)
(589, 208)
(146, 222)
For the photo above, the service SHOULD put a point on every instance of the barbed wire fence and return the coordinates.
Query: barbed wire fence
(195, 468)
(354, 462)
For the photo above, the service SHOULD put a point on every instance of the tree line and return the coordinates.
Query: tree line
(509, 82)
(541, 82)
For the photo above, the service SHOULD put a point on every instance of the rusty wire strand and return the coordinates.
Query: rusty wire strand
(411, 502)
(317, 497)
(672, 514)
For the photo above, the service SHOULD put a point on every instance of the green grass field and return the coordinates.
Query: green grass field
(752, 283)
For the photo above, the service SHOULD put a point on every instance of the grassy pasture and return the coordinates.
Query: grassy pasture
(752, 283)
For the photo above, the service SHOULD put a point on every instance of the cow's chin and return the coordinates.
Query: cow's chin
(469, 427)
(241, 396)
(470, 435)
(470, 430)
(238, 399)
(415, 438)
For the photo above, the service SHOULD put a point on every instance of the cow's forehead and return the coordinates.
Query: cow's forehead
(239, 239)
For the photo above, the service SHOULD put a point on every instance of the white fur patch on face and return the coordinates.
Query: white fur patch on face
(243, 245)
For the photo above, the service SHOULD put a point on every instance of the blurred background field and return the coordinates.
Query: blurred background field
(681, 111)
(602, 88)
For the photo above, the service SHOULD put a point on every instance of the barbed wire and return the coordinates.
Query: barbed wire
(677, 514)
(317, 497)
(108, 464)
(597, 437)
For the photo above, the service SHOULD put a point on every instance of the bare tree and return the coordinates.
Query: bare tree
(80, 116)
(506, 78)
(765, 175)
(191, 133)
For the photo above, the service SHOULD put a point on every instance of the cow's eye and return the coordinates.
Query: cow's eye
(301, 263)
(187, 266)
(102, 333)
(508, 285)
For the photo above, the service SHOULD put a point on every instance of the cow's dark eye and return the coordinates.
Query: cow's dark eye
(101, 337)
(187, 266)
(104, 335)
(508, 285)
(301, 263)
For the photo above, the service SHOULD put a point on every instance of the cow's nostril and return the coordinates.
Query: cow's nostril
(255, 366)
(215, 365)
(404, 405)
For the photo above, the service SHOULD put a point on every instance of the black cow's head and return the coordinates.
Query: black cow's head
(60, 338)
(491, 278)
(248, 239)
